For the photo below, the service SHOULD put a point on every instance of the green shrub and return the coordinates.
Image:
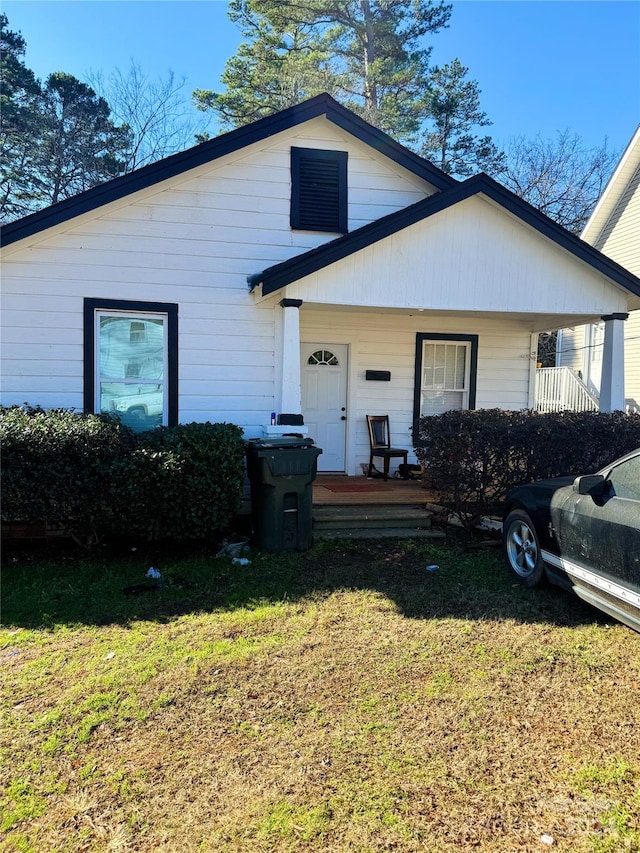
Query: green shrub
(91, 475)
(182, 482)
(56, 466)
(475, 457)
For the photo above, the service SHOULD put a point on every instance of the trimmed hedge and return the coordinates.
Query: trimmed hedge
(91, 475)
(182, 482)
(475, 457)
(56, 466)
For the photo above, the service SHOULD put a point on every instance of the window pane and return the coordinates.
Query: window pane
(450, 367)
(132, 369)
(437, 402)
(461, 360)
(625, 479)
(444, 377)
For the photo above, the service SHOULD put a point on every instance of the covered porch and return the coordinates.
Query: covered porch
(436, 307)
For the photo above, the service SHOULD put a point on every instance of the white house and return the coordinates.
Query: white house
(304, 264)
(613, 228)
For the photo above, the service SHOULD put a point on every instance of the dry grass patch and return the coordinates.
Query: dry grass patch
(344, 699)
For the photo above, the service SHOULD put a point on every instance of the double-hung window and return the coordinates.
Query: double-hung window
(131, 361)
(445, 373)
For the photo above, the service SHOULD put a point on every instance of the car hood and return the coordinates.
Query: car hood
(541, 489)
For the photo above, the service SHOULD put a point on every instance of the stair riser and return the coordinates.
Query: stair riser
(371, 533)
(372, 523)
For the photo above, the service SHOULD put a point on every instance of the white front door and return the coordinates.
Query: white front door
(324, 401)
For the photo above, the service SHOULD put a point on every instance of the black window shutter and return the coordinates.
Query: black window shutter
(319, 190)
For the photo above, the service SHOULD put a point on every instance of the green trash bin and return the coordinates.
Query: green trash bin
(281, 472)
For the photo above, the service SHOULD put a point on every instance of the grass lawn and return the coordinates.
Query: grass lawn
(345, 699)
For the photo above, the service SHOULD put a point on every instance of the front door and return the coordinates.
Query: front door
(324, 401)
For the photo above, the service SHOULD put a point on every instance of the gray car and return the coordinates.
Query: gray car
(581, 533)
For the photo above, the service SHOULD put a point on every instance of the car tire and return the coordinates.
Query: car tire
(521, 548)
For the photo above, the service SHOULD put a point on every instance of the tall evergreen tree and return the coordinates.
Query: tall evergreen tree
(19, 124)
(79, 146)
(55, 140)
(278, 66)
(370, 54)
(452, 104)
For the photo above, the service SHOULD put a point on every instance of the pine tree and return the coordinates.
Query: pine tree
(452, 104)
(369, 54)
(79, 145)
(19, 120)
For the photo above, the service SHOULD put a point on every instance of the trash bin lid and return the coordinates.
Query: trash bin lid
(280, 442)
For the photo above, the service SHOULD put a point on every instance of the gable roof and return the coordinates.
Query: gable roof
(176, 164)
(279, 275)
(614, 191)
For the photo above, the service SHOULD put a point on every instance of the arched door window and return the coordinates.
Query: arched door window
(323, 357)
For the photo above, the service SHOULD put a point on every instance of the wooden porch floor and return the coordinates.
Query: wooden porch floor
(340, 490)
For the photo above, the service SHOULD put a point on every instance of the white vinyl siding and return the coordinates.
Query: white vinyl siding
(387, 341)
(472, 256)
(570, 347)
(618, 238)
(621, 241)
(190, 240)
(632, 360)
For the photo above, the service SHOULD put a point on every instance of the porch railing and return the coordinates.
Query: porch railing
(560, 389)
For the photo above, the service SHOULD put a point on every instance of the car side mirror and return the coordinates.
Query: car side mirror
(589, 484)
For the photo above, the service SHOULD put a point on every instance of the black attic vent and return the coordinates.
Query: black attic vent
(319, 190)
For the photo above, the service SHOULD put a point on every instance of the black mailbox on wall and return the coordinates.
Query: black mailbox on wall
(378, 375)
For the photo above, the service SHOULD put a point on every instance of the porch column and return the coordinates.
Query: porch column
(291, 400)
(612, 381)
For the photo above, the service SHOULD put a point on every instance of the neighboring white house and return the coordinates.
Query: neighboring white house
(614, 229)
(304, 264)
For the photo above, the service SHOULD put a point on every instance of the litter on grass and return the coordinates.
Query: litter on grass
(153, 573)
(432, 568)
(233, 549)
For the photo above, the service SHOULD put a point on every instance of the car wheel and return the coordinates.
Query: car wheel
(522, 549)
(136, 416)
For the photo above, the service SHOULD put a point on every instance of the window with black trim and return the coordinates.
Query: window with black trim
(445, 375)
(131, 361)
(319, 190)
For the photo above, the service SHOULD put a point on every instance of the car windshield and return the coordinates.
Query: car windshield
(625, 479)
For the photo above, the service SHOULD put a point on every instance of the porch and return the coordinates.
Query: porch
(358, 507)
(560, 389)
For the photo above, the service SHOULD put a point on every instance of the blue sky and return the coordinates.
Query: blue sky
(542, 66)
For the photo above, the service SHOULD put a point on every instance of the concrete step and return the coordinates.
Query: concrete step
(378, 533)
(363, 516)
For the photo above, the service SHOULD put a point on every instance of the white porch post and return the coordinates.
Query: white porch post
(291, 399)
(612, 381)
